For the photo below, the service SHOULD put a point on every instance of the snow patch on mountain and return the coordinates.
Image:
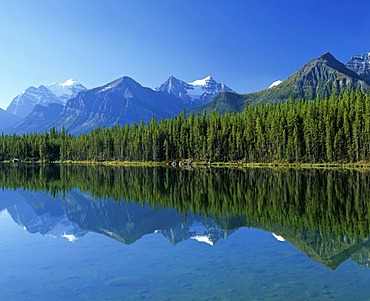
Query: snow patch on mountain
(201, 82)
(275, 83)
(112, 85)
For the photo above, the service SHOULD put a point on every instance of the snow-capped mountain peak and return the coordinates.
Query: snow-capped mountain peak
(66, 90)
(194, 93)
(23, 104)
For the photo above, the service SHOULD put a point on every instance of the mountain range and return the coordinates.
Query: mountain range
(124, 101)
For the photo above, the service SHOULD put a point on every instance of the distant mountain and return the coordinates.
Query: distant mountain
(195, 93)
(23, 104)
(41, 119)
(361, 65)
(317, 78)
(7, 119)
(122, 101)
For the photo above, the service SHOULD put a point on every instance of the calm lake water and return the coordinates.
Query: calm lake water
(99, 233)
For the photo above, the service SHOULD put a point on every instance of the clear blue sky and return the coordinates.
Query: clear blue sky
(245, 44)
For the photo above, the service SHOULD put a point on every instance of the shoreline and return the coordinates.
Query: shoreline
(202, 164)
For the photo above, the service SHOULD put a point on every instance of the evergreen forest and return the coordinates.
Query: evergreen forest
(335, 129)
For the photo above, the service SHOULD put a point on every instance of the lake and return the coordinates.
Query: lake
(113, 233)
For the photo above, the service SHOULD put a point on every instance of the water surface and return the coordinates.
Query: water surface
(98, 233)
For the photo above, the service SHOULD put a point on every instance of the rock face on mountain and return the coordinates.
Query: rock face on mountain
(317, 78)
(193, 94)
(123, 101)
(23, 104)
(361, 65)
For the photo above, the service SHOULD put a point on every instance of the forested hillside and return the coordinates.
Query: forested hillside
(336, 129)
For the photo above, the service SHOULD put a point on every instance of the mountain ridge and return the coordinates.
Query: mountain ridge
(315, 79)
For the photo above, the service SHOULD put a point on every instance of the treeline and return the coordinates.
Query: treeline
(332, 201)
(336, 129)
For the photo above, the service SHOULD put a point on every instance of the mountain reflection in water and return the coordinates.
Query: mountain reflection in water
(323, 213)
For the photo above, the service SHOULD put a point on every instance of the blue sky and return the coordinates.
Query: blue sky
(245, 44)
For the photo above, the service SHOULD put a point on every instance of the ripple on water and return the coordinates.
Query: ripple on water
(127, 282)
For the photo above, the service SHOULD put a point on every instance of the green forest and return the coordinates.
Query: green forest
(336, 129)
